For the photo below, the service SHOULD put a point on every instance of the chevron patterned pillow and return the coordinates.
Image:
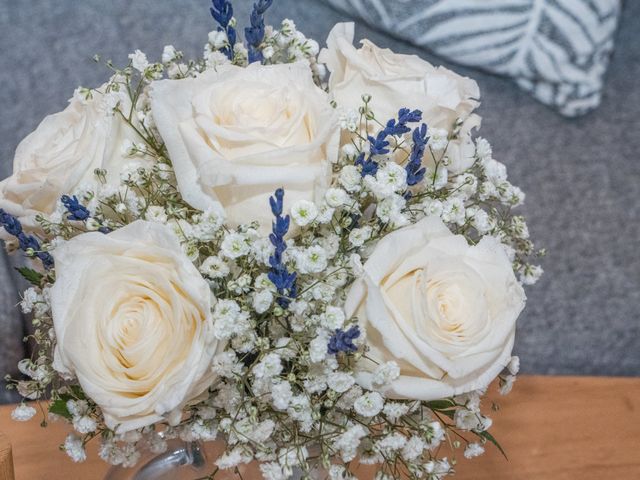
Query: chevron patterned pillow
(558, 50)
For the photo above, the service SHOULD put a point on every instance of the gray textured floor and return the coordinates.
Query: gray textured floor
(582, 177)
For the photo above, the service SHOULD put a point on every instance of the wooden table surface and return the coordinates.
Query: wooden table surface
(556, 428)
(6, 464)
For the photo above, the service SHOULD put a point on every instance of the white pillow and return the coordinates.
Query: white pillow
(558, 50)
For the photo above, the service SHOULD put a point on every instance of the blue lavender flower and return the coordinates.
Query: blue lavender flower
(379, 144)
(369, 166)
(222, 12)
(255, 33)
(284, 281)
(10, 223)
(76, 210)
(414, 168)
(400, 127)
(27, 242)
(342, 341)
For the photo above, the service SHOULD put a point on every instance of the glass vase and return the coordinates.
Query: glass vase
(181, 461)
(193, 461)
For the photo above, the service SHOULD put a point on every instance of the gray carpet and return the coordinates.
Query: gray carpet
(582, 177)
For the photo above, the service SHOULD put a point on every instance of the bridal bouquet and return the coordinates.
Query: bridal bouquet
(303, 253)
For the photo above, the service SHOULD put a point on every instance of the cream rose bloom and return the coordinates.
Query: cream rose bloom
(397, 81)
(132, 318)
(443, 310)
(62, 154)
(236, 134)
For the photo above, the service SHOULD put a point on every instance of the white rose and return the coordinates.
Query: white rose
(444, 311)
(62, 154)
(132, 318)
(235, 135)
(402, 81)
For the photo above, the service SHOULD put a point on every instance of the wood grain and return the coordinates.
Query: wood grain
(6, 462)
(559, 428)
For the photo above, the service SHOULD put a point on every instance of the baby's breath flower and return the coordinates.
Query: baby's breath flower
(495, 171)
(318, 348)
(169, 54)
(355, 263)
(413, 448)
(235, 245)
(390, 209)
(226, 364)
(312, 260)
(218, 39)
(348, 442)
(453, 211)
(514, 365)
(84, 424)
(30, 299)
(304, 212)
(482, 221)
(386, 373)
(473, 450)
(350, 178)
(506, 384)
(438, 139)
(531, 274)
(74, 447)
(483, 149)
(214, 267)
(23, 413)
(349, 120)
(333, 318)
(336, 197)
(394, 410)
(325, 214)
(437, 177)
(359, 236)
(435, 434)
(369, 405)
(390, 444)
(437, 469)
(215, 59)
(340, 381)
(469, 420)
(229, 320)
(156, 213)
(273, 471)
(233, 458)
(262, 301)
(139, 61)
(281, 394)
(269, 366)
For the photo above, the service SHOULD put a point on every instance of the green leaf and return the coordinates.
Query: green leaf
(59, 407)
(30, 275)
(439, 405)
(486, 435)
(77, 392)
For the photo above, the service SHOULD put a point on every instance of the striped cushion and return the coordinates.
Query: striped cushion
(556, 49)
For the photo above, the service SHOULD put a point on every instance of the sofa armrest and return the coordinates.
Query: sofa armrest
(12, 325)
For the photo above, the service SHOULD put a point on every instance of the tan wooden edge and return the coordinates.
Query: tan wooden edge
(6, 460)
